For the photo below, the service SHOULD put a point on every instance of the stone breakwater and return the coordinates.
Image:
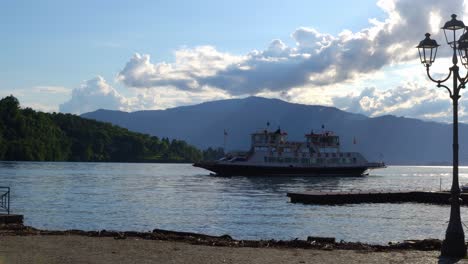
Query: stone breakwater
(226, 240)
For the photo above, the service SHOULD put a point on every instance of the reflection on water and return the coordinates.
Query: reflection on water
(142, 197)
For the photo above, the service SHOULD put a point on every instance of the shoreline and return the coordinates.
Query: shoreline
(322, 243)
(23, 244)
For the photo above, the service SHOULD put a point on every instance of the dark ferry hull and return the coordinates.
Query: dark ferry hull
(250, 170)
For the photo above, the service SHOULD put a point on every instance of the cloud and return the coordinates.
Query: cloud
(168, 97)
(97, 94)
(190, 65)
(316, 59)
(93, 95)
(317, 69)
(409, 100)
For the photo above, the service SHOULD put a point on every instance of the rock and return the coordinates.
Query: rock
(331, 240)
(120, 236)
(226, 237)
(327, 247)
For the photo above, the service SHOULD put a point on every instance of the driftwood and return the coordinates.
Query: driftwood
(312, 242)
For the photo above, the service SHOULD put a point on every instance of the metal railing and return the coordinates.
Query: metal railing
(5, 199)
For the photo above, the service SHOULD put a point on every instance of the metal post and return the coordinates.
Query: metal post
(5, 199)
(454, 243)
(8, 198)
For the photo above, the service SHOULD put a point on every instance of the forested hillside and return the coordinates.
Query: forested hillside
(395, 140)
(28, 135)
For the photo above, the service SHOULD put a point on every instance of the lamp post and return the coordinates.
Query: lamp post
(457, 37)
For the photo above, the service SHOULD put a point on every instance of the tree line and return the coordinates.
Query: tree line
(28, 135)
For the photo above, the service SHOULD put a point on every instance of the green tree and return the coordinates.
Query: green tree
(29, 135)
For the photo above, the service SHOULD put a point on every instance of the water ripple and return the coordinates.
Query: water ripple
(141, 197)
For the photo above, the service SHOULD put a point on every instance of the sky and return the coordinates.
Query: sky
(359, 56)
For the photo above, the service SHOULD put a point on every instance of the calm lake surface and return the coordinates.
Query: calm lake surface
(141, 197)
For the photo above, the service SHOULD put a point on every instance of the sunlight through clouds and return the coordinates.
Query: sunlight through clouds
(435, 20)
(374, 71)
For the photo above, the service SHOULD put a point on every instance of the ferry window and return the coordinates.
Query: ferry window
(333, 155)
(354, 160)
(287, 160)
(341, 155)
(265, 159)
(319, 155)
(305, 160)
(280, 160)
(326, 155)
(295, 160)
(349, 155)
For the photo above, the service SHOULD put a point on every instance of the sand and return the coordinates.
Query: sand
(83, 249)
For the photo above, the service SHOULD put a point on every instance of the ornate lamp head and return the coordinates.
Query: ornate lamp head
(453, 29)
(463, 49)
(427, 50)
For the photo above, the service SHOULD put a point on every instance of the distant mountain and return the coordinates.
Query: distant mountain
(396, 140)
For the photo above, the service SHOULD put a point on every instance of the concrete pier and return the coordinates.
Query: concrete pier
(336, 198)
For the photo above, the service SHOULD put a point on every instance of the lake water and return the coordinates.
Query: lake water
(141, 197)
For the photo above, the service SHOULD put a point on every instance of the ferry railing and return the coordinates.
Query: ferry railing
(5, 199)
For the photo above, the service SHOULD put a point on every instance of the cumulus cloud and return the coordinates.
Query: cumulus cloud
(97, 94)
(92, 95)
(318, 69)
(316, 59)
(189, 66)
(409, 100)
(168, 97)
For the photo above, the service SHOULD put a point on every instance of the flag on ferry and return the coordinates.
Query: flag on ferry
(354, 140)
(225, 132)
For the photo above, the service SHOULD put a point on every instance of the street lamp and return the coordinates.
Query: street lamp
(457, 37)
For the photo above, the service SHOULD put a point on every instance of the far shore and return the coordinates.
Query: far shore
(429, 164)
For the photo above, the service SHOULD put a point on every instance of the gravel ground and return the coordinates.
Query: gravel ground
(82, 249)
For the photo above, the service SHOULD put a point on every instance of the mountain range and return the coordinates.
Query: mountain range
(395, 140)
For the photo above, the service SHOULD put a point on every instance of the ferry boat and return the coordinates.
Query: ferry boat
(271, 154)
